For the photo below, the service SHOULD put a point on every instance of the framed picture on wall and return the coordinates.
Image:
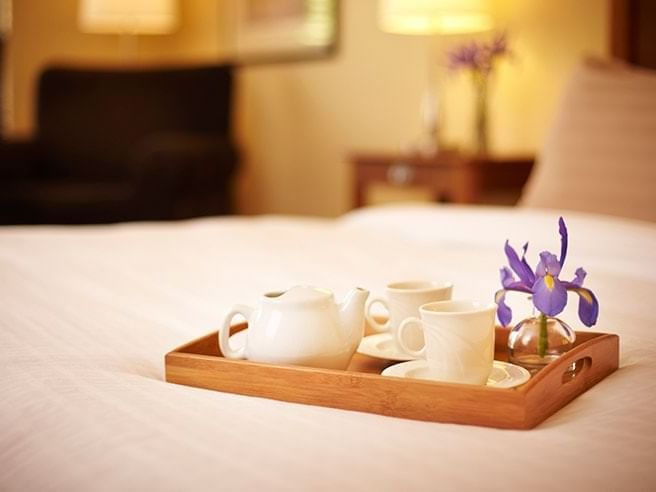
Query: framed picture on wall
(285, 30)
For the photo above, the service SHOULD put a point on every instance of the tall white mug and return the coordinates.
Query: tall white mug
(459, 339)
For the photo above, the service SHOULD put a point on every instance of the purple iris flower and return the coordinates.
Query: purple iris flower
(465, 56)
(478, 57)
(549, 293)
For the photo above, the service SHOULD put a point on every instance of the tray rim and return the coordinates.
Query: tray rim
(527, 398)
(595, 337)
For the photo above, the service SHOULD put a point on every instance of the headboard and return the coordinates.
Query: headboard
(633, 31)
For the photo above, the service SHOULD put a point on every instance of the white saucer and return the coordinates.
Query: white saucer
(382, 346)
(504, 374)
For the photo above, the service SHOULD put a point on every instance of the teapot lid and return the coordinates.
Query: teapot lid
(300, 293)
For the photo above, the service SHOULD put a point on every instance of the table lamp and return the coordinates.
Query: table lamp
(128, 18)
(432, 18)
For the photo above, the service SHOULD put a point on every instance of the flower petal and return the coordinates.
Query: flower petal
(549, 295)
(548, 265)
(588, 304)
(580, 276)
(562, 229)
(507, 276)
(526, 265)
(522, 269)
(509, 282)
(504, 313)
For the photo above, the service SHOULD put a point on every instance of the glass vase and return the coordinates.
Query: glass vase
(538, 340)
(480, 113)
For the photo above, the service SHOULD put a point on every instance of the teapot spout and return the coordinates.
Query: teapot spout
(351, 314)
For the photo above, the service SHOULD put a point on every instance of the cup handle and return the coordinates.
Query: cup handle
(224, 332)
(401, 343)
(372, 321)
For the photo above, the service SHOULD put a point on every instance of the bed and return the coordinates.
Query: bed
(89, 312)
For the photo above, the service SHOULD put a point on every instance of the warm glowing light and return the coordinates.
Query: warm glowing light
(434, 16)
(128, 16)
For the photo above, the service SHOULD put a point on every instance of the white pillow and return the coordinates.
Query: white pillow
(600, 154)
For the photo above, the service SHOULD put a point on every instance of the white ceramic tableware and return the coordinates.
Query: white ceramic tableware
(302, 325)
(402, 300)
(459, 339)
(383, 346)
(503, 374)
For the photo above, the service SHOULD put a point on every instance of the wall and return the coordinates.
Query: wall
(302, 121)
(299, 122)
(549, 38)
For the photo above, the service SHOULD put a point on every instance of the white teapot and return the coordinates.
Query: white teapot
(302, 325)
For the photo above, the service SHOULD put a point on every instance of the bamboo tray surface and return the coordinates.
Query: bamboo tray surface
(362, 388)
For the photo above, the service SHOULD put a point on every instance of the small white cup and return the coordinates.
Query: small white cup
(402, 300)
(459, 339)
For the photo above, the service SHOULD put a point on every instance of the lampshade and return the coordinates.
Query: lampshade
(128, 16)
(434, 16)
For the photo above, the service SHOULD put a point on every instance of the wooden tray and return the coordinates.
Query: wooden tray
(361, 387)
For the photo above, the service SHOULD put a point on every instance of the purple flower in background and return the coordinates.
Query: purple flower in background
(549, 292)
(465, 56)
(478, 57)
(499, 45)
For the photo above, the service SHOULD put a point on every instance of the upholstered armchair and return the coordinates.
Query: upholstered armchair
(121, 145)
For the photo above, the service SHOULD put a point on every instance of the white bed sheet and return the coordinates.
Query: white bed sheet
(87, 314)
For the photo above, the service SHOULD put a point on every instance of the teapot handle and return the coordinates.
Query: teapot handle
(224, 332)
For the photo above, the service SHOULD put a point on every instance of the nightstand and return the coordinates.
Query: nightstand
(446, 177)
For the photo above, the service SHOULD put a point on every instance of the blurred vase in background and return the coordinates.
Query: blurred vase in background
(479, 59)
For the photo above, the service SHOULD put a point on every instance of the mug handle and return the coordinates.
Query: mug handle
(401, 343)
(224, 332)
(372, 321)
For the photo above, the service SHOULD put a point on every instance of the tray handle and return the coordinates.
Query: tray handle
(573, 373)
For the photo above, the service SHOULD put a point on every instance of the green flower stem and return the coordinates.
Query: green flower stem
(543, 340)
(480, 84)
